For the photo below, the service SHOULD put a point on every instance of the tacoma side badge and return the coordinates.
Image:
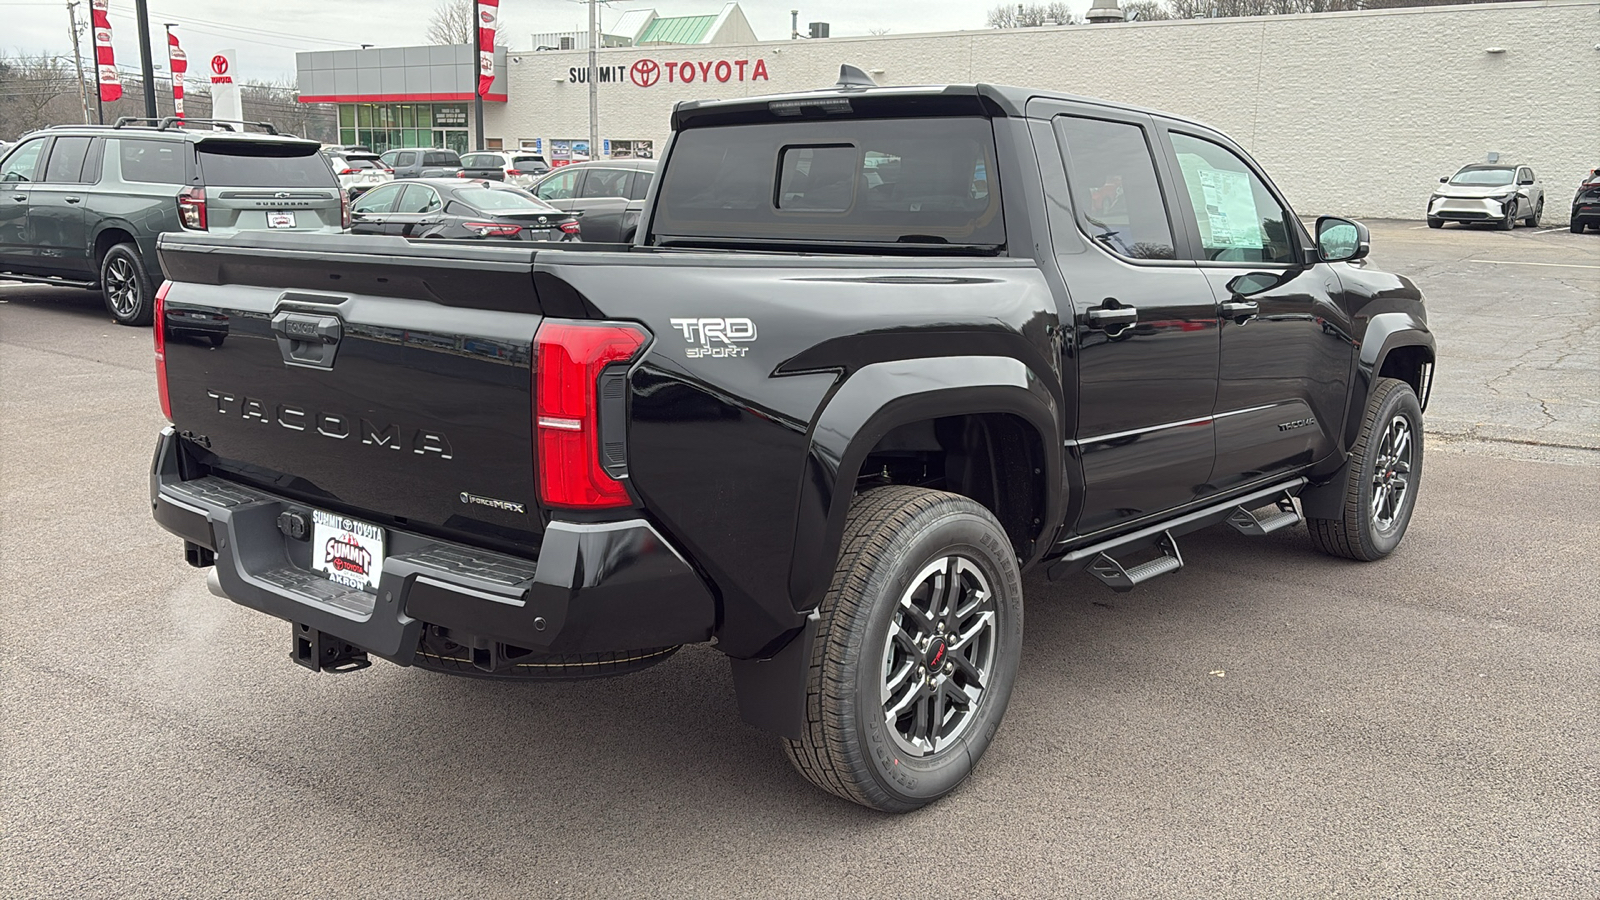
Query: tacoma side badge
(715, 338)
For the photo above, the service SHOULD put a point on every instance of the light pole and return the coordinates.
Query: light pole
(477, 69)
(594, 87)
(146, 69)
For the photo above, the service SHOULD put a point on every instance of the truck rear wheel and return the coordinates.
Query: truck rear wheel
(1381, 478)
(916, 652)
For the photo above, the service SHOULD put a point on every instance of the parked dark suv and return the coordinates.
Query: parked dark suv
(82, 205)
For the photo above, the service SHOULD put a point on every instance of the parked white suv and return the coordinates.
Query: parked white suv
(520, 168)
(1488, 192)
(358, 172)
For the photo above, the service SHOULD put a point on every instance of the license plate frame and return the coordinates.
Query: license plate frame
(277, 219)
(347, 551)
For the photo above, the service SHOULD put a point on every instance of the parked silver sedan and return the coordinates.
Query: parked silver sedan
(1488, 192)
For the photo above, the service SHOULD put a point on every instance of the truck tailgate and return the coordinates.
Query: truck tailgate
(368, 376)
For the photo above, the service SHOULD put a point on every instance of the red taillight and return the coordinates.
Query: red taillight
(513, 171)
(390, 171)
(344, 210)
(566, 410)
(192, 208)
(461, 174)
(161, 349)
(571, 227)
(492, 229)
(347, 171)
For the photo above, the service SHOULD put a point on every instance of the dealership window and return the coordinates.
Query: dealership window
(1114, 187)
(387, 126)
(1237, 218)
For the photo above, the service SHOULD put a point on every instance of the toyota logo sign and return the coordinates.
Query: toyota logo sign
(219, 64)
(645, 72)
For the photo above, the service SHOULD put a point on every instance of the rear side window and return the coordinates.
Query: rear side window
(1114, 187)
(481, 161)
(641, 184)
(444, 159)
(418, 199)
(152, 162)
(909, 181)
(263, 164)
(66, 160)
(606, 183)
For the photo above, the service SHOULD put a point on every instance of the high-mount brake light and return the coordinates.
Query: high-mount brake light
(160, 332)
(192, 208)
(571, 357)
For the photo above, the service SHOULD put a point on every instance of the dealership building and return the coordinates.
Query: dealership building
(1353, 113)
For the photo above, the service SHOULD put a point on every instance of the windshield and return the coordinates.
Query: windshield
(502, 199)
(1483, 177)
(883, 181)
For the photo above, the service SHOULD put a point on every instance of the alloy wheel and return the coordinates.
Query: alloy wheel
(1391, 473)
(939, 656)
(122, 287)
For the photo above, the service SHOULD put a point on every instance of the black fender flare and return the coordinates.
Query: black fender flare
(1385, 333)
(880, 397)
(870, 403)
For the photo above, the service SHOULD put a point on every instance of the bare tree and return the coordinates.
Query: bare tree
(1032, 15)
(1145, 10)
(36, 90)
(878, 31)
(452, 22)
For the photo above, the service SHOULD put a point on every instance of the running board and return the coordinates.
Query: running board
(1244, 520)
(1122, 580)
(1151, 535)
(47, 279)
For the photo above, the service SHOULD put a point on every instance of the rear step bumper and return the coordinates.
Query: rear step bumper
(594, 587)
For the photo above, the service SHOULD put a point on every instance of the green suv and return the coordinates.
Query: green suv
(82, 205)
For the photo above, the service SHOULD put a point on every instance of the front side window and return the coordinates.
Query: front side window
(418, 199)
(1114, 187)
(378, 200)
(22, 162)
(406, 159)
(1236, 217)
(558, 187)
(152, 162)
(66, 160)
(882, 181)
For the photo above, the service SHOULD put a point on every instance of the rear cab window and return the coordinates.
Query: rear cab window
(908, 182)
(263, 164)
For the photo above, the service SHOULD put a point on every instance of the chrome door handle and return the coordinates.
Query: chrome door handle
(1236, 309)
(76, 199)
(1108, 317)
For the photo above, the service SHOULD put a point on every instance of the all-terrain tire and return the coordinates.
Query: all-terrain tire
(1363, 532)
(896, 541)
(129, 295)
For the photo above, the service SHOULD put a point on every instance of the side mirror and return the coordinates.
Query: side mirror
(1341, 240)
(1444, 179)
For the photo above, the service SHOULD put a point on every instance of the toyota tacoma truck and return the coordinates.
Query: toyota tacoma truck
(874, 353)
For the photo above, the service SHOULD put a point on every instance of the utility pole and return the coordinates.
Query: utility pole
(77, 60)
(146, 68)
(594, 86)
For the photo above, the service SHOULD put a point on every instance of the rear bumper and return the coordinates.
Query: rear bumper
(1587, 211)
(594, 586)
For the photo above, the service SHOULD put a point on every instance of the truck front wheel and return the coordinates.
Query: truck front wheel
(1381, 478)
(916, 651)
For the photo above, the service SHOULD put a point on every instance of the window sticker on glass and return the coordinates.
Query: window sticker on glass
(1229, 218)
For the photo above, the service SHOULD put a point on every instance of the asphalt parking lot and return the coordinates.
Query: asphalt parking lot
(1268, 722)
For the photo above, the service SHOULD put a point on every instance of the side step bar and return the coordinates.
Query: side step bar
(49, 279)
(1122, 580)
(1099, 557)
(1244, 520)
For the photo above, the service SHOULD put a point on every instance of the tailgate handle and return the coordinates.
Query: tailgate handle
(307, 340)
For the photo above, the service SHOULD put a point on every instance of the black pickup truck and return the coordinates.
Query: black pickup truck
(874, 353)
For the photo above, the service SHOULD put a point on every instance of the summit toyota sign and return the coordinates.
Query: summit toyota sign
(650, 72)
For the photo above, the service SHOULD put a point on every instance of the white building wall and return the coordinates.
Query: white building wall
(1351, 113)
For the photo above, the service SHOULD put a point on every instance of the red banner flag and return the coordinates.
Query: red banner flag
(179, 64)
(105, 64)
(488, 24)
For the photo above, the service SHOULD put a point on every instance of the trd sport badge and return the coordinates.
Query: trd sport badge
(715, 338)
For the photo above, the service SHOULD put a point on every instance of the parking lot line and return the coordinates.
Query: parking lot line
(1507, 262)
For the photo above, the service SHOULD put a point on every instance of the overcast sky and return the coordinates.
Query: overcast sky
(268, 32)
